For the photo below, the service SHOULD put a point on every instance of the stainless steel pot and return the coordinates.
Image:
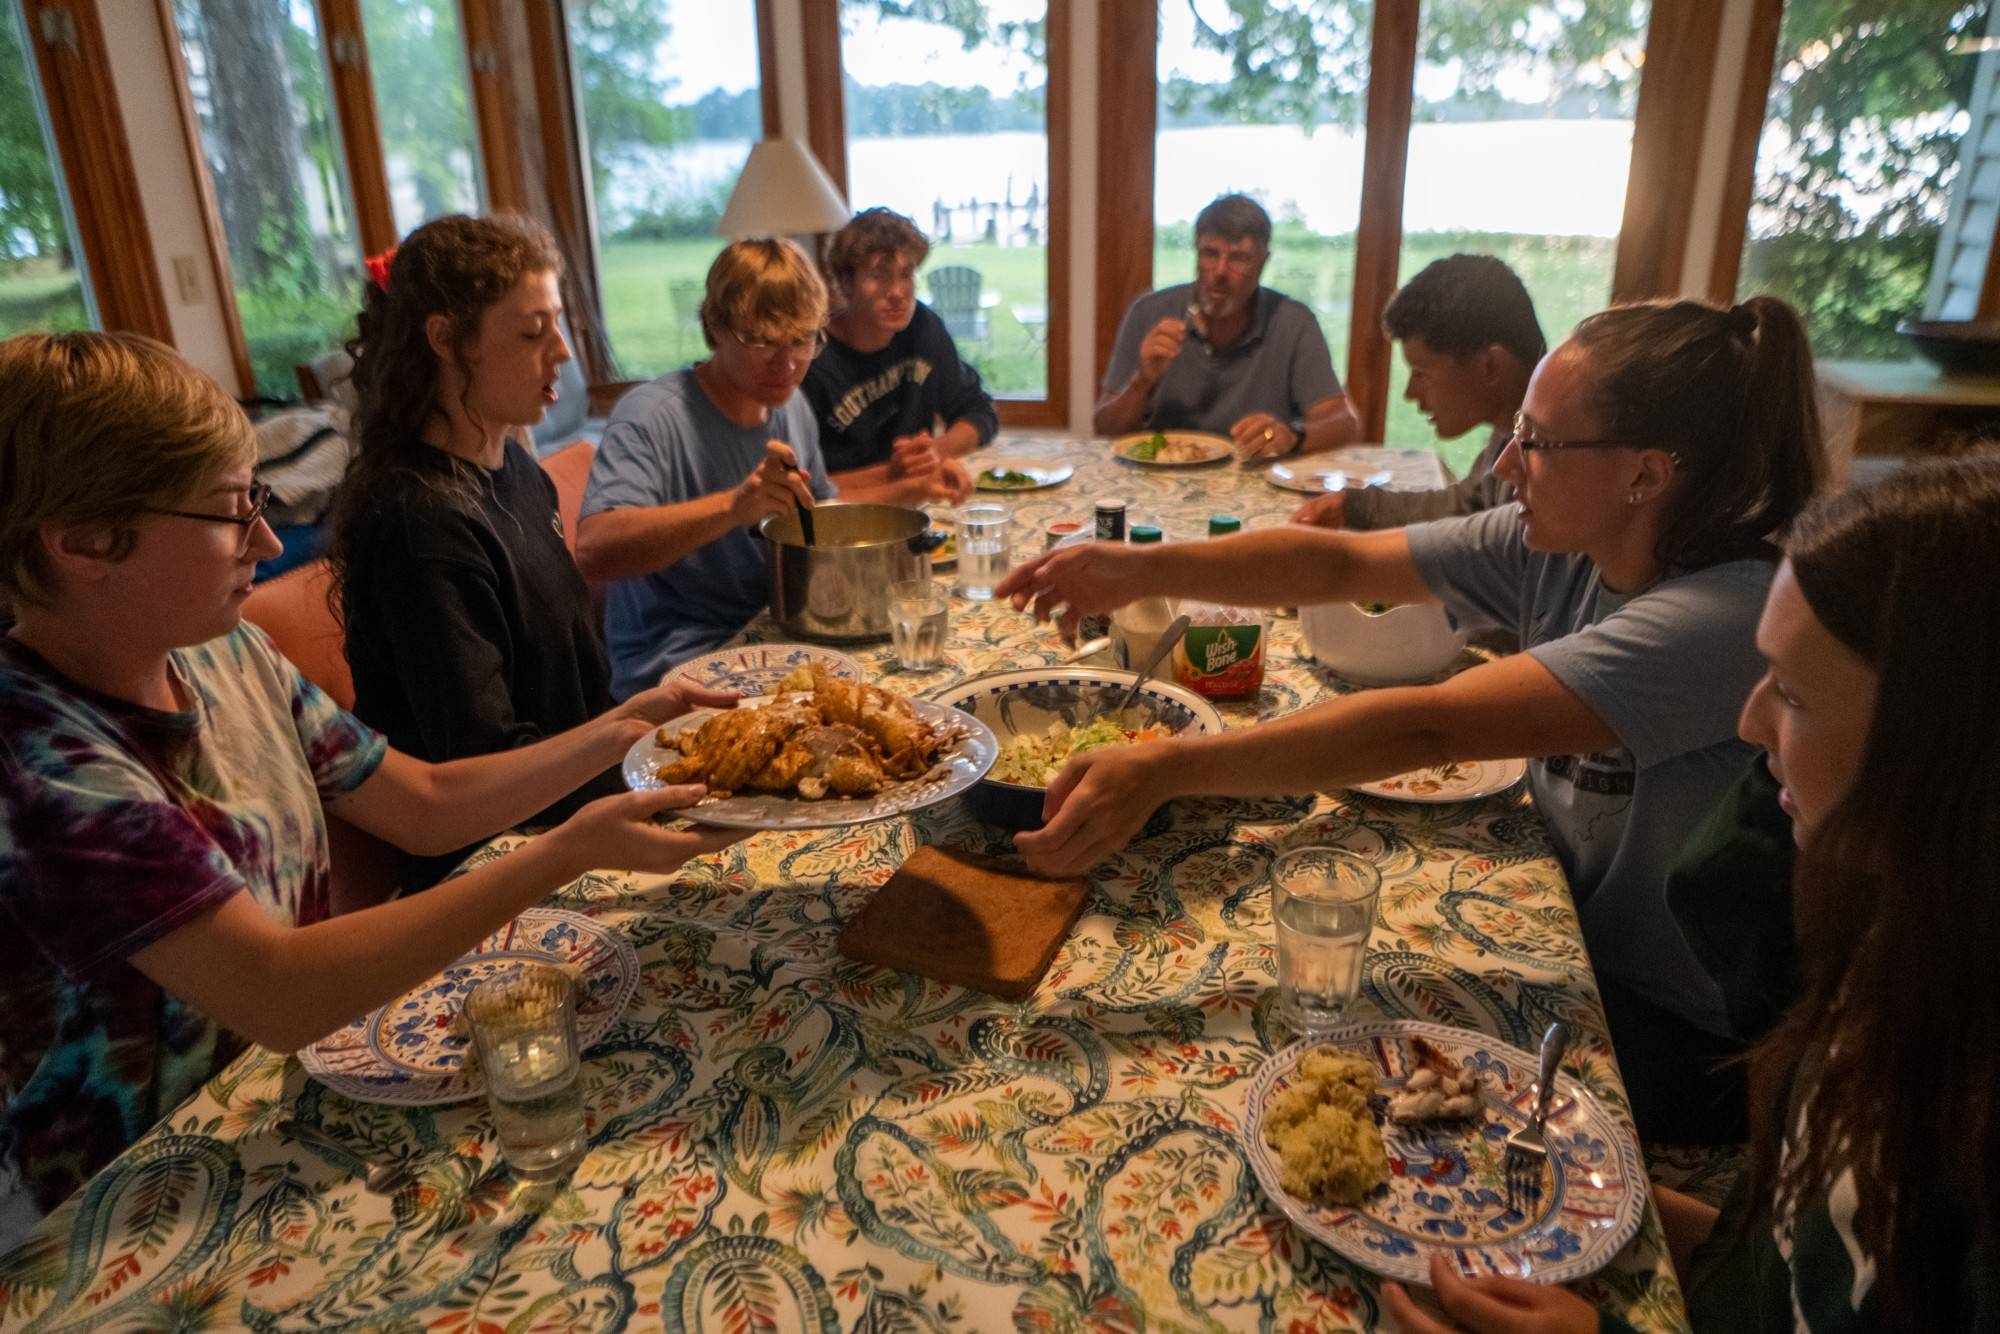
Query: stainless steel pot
(838, 588)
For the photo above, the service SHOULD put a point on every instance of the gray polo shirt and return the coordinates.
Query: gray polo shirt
(1280, 365)
(1667, 669)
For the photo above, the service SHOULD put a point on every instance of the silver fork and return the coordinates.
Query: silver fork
(1527, 1152)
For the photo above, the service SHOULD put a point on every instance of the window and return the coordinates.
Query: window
(257, 78)
(422, 99)
(1270, 105)
(41, 282)
(671, 106)
(948, 124)
(1859, 170)
(1501, 93)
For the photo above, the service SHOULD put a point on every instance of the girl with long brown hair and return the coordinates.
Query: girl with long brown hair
(467, 625)
(1873, 1197)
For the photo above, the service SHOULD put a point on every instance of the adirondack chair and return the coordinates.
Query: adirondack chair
(956, 291)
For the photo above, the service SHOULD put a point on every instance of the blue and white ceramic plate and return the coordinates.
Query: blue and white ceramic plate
(1447, 1191)
(1028, 702)
(958, 767)
(756, 669)
(408, 1053)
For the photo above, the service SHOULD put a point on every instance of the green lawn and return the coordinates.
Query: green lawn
(652, 293)
(36, 295)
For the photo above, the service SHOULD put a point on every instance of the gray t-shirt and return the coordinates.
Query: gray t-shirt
(1280, 365)
(669, 443)
(1378, 507)
(1668, 670)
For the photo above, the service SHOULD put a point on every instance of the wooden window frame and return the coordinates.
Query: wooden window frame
(73, 66)
(1378, 235)
(826, 134)
(495, 115)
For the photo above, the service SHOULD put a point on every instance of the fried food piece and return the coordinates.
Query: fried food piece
(819, 761)
(732, 747)
(908, 743)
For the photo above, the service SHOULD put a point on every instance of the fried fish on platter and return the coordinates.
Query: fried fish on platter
(821, 736)
(822, 760)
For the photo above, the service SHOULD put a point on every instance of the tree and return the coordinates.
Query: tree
(415, 55)
(1863, 109)
(1305, 62)
(31, 220)
(254, 140)
(624, 95)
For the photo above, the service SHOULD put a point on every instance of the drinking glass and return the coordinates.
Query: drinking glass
(524, 1026)
(982, 550)
(919, 619)
(1323, 901)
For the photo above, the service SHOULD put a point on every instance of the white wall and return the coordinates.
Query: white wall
(151, 112)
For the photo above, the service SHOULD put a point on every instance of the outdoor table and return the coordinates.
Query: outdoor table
(784, 1139)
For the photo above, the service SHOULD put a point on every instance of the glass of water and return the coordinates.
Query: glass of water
(524, 1026)
(982, 550)
(919, 618)
(1323, 900)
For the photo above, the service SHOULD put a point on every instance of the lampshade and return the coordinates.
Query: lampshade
(783, 191)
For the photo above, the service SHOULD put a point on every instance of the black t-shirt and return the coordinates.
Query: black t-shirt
(468, 627)
(864, 401)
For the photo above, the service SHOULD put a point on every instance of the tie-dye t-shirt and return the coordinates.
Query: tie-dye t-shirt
(119, 824)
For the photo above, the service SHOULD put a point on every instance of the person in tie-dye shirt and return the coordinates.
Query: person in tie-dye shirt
(164, 771)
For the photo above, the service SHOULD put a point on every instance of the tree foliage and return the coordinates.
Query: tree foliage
(1864, 107)
(31, 221)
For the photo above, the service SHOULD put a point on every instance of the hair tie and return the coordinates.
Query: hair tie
(1741, 320)
(378, 267)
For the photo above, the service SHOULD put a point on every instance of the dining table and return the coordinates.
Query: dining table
(782, 1138)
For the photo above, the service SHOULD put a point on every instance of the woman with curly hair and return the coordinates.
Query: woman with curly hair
(468, 627)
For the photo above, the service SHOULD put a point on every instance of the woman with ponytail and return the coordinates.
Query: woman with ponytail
(468, 627)
(1872, 1201)
(1659, 451)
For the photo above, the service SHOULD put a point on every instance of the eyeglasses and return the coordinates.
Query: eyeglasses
(260, 500)
(1528, 444)
(798, 349)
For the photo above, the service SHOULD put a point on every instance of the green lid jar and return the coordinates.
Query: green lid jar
(1222, 525)
(1145, 532)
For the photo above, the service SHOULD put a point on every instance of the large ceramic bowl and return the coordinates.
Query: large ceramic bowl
(1381, 648)
(1026, 703)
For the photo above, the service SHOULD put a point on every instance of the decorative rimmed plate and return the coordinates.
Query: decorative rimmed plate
(1320, 477)
(756, 669)
(957, 769)
(407, 1053)
(1040, 474)
(1199, 447)
(1464, 780)
(1447, 1191)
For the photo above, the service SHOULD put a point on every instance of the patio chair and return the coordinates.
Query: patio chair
(956, 291)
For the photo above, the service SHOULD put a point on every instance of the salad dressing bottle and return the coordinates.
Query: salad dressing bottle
(1137, 626)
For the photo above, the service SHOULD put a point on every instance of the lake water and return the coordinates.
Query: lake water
(1485, 176)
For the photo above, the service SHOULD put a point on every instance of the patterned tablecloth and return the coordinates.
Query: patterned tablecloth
(783, 1139)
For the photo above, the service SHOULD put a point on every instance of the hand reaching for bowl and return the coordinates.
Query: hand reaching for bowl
(1096, 804)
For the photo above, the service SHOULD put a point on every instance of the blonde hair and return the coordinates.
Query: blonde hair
(94, 429)
(767, 286)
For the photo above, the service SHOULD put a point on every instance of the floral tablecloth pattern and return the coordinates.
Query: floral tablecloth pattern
(784, 1139)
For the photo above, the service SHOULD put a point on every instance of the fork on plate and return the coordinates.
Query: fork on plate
(1527, 1153)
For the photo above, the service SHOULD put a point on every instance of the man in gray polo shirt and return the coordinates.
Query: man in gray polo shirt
(1225, 354)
